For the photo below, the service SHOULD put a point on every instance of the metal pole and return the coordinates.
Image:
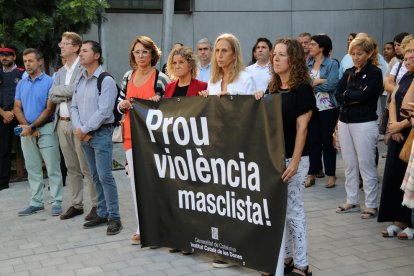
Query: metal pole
(167, 29)
(102, 41)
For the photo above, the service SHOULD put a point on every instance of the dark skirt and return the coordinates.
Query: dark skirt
(390, 208)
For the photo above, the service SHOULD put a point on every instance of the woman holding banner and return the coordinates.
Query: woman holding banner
(228, 77)
(182, 67)
(144, 82)
(227, 69)
(291, 80)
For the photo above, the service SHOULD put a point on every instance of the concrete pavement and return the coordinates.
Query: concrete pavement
(339, 244)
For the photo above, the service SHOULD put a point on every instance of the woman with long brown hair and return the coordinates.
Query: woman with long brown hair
(291, 80)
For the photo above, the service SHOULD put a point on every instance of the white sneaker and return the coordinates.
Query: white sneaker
(221, 264)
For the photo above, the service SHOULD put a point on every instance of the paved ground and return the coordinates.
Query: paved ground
(339, 244)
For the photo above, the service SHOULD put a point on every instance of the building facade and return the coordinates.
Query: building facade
(248, 20)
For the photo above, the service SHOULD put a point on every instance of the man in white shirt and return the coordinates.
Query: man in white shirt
(204, 51)
(261, 69)
(61, 93)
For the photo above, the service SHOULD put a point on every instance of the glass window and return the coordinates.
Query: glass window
(146, 5)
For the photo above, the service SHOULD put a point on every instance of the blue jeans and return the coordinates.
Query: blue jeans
(98, 154)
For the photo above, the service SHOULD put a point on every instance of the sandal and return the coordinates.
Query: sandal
(406, 234)
(368, 214)
(348, 208)
(288, 267)
(136, 239)
(300, 272)
(391, 231)
(330, 182)
(310, 181)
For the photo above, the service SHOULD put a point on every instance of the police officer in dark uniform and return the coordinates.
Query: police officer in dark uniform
(10, 75)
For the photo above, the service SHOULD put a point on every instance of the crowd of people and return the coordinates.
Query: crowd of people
(326, 104)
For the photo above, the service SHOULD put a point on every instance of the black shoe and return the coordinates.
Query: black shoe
(98, 221)
(2, 187)
(92, 214)
(71, 212)
(320, 174)
(305, 272)
(114, 227)
(288, 267)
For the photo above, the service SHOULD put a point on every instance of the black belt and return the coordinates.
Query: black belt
(102, 127)
(105, 126)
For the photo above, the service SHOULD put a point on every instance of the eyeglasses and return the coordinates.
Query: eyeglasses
(60, 44)
(203, 49)
(313, 44)
(144, 53)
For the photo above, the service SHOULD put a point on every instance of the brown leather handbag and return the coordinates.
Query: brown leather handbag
(406, 149)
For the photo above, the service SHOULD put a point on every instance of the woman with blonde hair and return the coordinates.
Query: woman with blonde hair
(143, 82)
(228, 75)
(407, 187)
(291, 80)
(182, 68)
(357, 93)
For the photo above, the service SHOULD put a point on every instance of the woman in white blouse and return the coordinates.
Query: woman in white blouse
(228, 77)
(227, 69)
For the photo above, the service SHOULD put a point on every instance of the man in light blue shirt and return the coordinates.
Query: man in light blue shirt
(39, 142)
(92, 117)
(347, 62)
(204, 51)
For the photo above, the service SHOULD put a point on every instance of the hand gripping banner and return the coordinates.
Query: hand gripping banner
(208, 176)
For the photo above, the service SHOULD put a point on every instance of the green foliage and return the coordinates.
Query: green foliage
(40, 23)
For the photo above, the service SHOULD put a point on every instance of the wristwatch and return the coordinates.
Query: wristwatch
(33, 127)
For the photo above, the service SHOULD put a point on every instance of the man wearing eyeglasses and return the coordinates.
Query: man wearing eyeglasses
(204, 51)
(61, 94)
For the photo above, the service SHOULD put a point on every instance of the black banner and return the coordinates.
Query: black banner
(207, 176)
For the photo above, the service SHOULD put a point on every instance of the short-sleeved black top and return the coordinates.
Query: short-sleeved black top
(295, 102)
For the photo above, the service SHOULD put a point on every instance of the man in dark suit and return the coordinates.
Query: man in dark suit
(61, 94)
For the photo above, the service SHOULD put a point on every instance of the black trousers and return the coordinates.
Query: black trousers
(320, 139)
(6, 138)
